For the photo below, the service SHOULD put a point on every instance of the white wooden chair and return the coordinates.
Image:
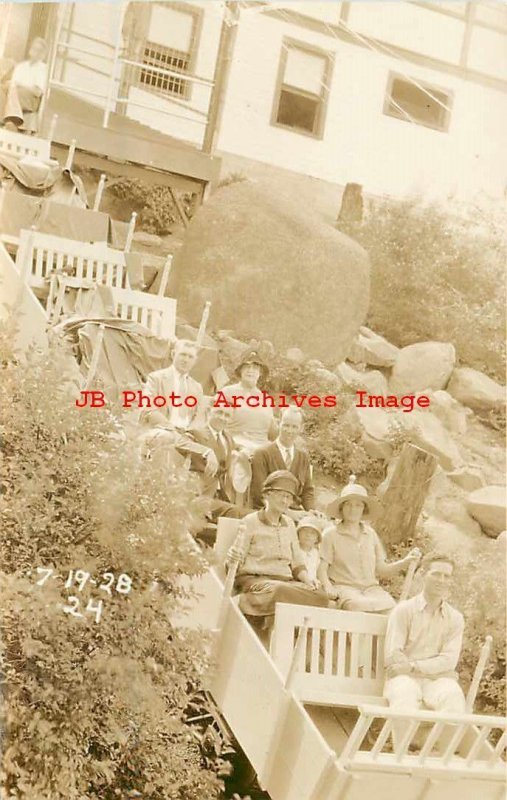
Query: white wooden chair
(342, 663)
(40, 255)
(154, 312)
(19, 145)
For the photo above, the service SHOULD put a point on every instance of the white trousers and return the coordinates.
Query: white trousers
(407, 693)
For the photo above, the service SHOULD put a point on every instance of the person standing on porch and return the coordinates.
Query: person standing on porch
(22, 91)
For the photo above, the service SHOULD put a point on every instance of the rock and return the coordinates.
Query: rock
(422, 428)
(502, 537)
(296, 355)
(476, 390)
(147, 239)
(421, 366)
(375, 448)
(372, 381)
(326, 380)
(488, 506)
(468, 478)
(427, 431)
(254, 253)
(451, 413)
(370, 348)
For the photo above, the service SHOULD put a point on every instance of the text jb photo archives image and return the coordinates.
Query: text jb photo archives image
(252, 400)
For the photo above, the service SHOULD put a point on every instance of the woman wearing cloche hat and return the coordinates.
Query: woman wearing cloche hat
(252, 424)
(271, 568)
(353, 557)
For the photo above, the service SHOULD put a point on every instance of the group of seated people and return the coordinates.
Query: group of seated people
(287, 551)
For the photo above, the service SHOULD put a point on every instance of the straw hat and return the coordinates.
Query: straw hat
(352, 491)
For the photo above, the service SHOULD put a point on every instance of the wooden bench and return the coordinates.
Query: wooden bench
(154, 312)
(342, 660)
(19, 145)
(41, 255)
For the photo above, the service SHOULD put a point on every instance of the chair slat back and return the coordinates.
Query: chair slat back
(156, 313)
(20, 145)
(343, 657)
(47, 254)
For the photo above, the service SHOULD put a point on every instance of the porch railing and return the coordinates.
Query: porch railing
(119, 77)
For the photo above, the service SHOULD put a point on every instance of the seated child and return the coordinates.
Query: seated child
(310, 537)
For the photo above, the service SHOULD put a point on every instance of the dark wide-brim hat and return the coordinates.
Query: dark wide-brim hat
(281, 480)
(249, 358)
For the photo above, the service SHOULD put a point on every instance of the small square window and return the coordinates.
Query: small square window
(426, 105)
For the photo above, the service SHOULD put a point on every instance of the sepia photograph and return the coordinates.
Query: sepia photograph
(253, 528)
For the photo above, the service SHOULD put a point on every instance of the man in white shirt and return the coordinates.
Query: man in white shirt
(21, 95)
(423, 645)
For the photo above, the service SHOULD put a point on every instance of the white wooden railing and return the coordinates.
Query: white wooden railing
(469, 744)
(117, 83)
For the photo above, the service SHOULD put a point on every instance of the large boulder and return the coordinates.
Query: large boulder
(422, 428)
(475, 390)
(370, 348)
(424, 365)
(488, 506)
(272, 267)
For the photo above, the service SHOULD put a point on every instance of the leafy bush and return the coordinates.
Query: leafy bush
(92, 710)
(437, 276)
(157, 212)
(333, 436)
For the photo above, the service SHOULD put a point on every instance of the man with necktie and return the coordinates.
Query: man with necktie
(167, 423)
(283, 453)
(212, 451)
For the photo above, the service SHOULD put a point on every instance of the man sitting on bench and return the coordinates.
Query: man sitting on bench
(212, 451)
(423, 645)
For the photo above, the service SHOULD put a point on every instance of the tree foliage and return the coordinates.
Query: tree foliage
(438, 275)
(92, 710)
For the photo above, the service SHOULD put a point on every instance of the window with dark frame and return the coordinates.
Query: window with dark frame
(301, 95)
(406, 101)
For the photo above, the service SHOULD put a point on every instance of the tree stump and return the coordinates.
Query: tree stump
(351, 209)
(404, 497)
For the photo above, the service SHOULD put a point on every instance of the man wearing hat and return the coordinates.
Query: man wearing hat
(353, 557)
(271, 566)
(284, 454)
(252, 424)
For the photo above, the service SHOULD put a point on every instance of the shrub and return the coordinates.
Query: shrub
(333, 436)
(438, 276)
(156, 209)
(92, 709)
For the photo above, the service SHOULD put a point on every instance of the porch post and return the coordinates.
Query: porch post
(114, 69)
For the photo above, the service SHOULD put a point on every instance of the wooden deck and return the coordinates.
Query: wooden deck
(127, 147)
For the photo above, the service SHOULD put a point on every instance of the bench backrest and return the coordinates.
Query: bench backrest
(20, 145)
(41, 254)
(156, 313)
(342, 661)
